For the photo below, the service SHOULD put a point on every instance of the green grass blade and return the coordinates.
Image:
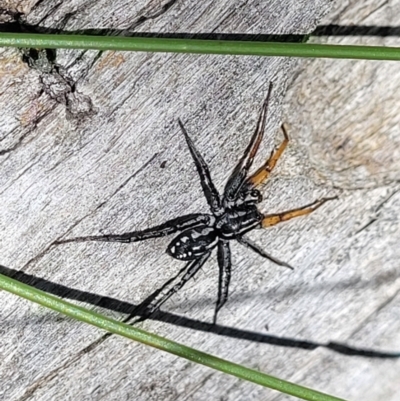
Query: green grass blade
(50, 41)
(161, 343)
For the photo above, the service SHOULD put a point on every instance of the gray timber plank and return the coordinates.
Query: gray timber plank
(107, 156)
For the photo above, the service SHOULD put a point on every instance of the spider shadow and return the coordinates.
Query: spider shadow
(140, 311)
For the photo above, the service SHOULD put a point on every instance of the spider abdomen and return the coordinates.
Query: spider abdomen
(192, 243)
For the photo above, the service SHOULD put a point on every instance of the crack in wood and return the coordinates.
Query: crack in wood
(377, 210)
(45, 251)
(156, 14)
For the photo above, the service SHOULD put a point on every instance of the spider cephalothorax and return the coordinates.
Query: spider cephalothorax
(232, 215)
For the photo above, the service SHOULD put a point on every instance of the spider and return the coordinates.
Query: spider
(232, 215)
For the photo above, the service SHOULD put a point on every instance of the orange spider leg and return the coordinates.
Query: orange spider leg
(264, 171)
(272, 219)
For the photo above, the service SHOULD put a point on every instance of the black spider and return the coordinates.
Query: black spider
(232, 215)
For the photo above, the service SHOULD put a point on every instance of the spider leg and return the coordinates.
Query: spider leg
(210, 192)
(143, 309)
(225, 267)
(251, 245)
(239, 174)
(190, 269)
(272, 219)
(264, 171)
(167, 228)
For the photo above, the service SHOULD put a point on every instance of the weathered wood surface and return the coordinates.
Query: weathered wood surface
(109, 157)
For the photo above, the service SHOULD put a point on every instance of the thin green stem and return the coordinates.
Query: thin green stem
(161, 343)
(226, 47)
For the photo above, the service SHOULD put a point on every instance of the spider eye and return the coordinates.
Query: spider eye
(256, 195)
